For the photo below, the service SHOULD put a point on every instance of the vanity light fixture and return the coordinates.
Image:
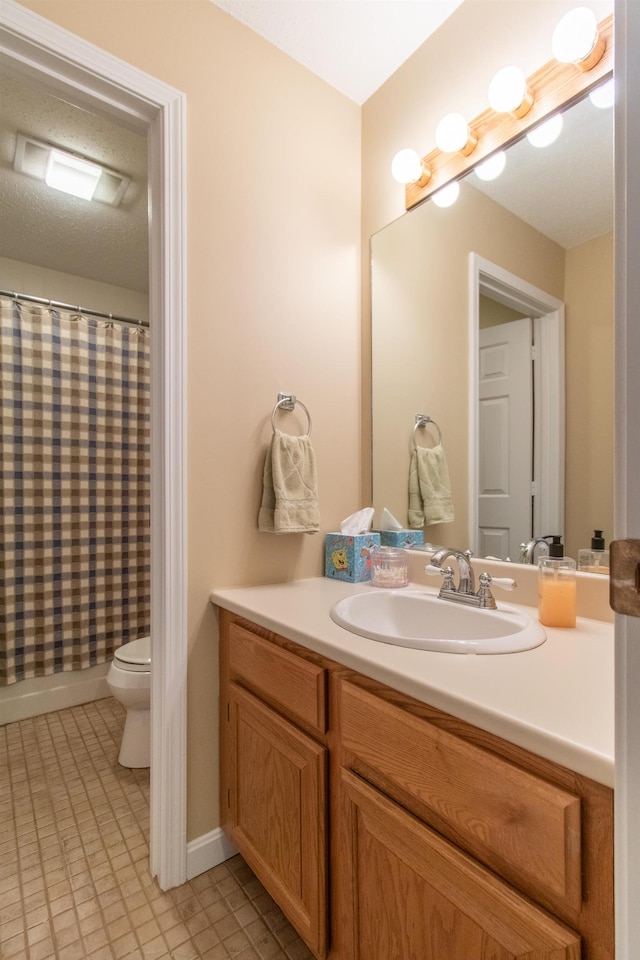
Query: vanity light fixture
(520, 106)
(492, 168)
(446, 196)
(576, 39)
(67, 171)
(407, 167)
(510, 93)
(547, 132)
(454, 136)
(604, 95)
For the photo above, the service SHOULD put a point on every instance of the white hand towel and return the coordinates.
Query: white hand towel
(429, 488)
(289, 489)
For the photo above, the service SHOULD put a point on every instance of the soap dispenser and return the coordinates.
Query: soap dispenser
(557, 587)
(596, 559)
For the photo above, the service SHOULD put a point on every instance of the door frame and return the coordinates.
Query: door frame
(627, 469)
(488, 278)
(91, 77)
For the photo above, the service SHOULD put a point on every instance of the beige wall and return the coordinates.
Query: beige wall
(492, 314)
(67, 288)
(273, 300)
(589, 370)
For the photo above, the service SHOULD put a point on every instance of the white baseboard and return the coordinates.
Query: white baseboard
(208, 851)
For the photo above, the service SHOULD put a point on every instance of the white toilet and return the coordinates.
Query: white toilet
(129, 681)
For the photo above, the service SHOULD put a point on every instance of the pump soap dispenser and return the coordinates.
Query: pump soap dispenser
(557, 587)
(595, 560)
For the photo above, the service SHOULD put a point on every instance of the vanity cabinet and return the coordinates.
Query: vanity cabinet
(274, 786)
(446, 842)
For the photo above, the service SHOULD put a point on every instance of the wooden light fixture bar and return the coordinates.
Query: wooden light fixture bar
(554, 86)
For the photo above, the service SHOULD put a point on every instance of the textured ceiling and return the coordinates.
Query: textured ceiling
(355, 45)
(57, 231)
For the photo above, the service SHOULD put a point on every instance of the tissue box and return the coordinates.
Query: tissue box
(401, 538)
(349, 557)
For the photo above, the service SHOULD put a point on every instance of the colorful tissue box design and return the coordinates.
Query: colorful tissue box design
(401, 538)
(349, 557)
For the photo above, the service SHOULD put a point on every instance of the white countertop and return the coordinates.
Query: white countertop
(556, 700)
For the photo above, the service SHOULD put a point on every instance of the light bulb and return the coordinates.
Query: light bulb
(407, 167)
(509, 93)
(453, 135)
(576, 39)
(604, 95)
(446, 196)
(546, 133)
(493, 167)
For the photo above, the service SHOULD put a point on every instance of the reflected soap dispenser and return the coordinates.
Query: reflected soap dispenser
(557, 587)
(595, 560)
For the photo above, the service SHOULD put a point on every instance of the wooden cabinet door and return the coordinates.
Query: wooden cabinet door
(278, 811)
(411, 895)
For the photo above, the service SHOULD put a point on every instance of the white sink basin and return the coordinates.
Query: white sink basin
(413, 618)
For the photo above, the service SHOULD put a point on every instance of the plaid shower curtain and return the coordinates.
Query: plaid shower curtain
(74, 489)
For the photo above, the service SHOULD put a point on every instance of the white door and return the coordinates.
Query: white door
(505, 427)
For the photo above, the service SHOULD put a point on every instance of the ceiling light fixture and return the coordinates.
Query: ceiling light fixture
(454, 136)
(66, 171)
(576, 39)
(547, 132)
(407, 167)
(492, 168)
(446, 196)
(509, 92)
(72, 175)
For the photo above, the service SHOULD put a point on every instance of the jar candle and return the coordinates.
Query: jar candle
(557, 591)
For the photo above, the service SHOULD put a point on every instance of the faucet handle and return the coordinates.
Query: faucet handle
(505, 583)
(484, 595)
(446, 574)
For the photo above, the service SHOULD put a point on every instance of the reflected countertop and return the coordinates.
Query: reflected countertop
(556, 700)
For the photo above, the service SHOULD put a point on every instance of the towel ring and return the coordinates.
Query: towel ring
(287, 401)
(421, 421)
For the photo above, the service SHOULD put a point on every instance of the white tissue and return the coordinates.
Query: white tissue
(359, 522)
(388, 521)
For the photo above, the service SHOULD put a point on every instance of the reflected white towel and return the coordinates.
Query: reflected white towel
(289, 488)
(429, 488)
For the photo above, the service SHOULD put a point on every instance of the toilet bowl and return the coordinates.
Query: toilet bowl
(129, 681)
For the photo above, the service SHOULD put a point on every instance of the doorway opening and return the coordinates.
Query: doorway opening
(89, 77)
(521, 494)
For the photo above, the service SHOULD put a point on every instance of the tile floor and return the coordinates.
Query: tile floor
(74, 859)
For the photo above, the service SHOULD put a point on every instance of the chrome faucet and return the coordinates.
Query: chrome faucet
(465, 591)
(527, 549)
(466, 581)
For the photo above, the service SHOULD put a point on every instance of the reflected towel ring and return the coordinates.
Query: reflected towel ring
(421, 421)
(287, 401)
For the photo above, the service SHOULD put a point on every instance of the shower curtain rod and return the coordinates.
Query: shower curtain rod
(72, 306)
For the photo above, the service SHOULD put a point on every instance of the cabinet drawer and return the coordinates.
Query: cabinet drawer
(295, 686)
(519, 824)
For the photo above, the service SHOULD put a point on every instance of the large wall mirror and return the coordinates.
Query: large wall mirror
(494, 317)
